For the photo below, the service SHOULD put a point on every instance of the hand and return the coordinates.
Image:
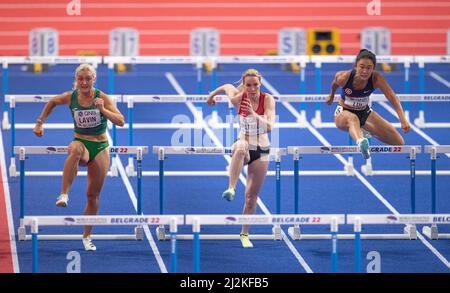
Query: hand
(38, 130)
(405, 125)
(210, 101)
(100, 104)
(329, 100)
(247, 107)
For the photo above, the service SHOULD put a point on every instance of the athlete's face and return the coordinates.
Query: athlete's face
(364, 68)
(252, 86)
(85, 81)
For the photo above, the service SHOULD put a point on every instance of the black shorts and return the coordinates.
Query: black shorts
(258, 152)
(362, 114)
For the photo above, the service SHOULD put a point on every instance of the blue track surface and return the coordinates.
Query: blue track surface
(200, 195)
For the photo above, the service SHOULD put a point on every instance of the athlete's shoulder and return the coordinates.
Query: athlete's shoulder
(342, 77)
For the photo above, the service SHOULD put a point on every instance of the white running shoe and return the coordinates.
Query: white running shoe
(62, 200)
(88, 245)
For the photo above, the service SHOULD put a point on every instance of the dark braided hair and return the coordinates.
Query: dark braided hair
(366, 54)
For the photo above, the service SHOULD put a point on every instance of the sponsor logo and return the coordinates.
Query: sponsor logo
(50, 150)
(325, 150)
(230, 219)
(392, 218)
(69, 220)
(156, 98)
(38, 98)
(348, 91)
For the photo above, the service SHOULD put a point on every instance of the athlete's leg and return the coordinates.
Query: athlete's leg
(77, 155)
(97, 171)
(240, 155)
(256, 175)
(383, 130)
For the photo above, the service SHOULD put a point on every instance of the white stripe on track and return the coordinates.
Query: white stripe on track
(132, 196)
(440, 79)
(215, 139)
(9, 216)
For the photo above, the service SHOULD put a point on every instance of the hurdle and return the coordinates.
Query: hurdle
(421, 61)
(409, 231)
(432, 232)
(36, 221)
(405, 219)
(13, 99)
(24, 151)
(162, 151)
(198, 220)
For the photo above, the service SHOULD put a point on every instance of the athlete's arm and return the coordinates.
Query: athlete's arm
(61, 99)
(380, 82)
(107, 107)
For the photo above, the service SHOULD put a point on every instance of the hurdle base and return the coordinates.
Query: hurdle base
(431, 232)
(367, 170)
(21, 233)
(161, 233)
(139, 233)
(5, 121)
(13, 169)
(130, 167)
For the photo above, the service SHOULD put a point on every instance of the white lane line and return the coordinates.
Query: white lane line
(10, 219)
(133, 198)
(440, 79)
(216, 140)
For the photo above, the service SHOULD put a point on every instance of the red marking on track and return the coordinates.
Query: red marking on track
(6, 263)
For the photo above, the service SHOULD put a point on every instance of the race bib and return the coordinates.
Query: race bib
(87, 118)
(249, 125)
(357, 103)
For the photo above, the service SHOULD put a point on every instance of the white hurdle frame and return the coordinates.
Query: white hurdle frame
(172, 220)
(432, 231)
(13, 99)
(23, 151)
(162, 151)
(197, 220)
(409, 231)
(405, 219)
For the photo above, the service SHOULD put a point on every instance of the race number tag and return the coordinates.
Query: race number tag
(87, 118)
(357, 103)
(249, 125)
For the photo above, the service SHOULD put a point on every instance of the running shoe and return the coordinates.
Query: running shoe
(228, 194)
(364, 147)
(245, 240)
(62, 200)
(88, 245)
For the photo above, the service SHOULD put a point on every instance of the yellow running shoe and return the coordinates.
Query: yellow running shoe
(228, 194)
(245, 240)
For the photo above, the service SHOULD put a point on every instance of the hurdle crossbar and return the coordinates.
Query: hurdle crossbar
(432, 231)
(35, 221)
(197, 220)
(297, 151)
(162, 151)
(405, 219)
(24, 151)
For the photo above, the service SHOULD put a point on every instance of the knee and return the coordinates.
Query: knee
(93, 198)
(250, 200)
(75, 150)
(400, 140)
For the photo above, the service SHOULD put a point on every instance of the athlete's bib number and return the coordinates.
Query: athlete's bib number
(249, 125)
(357, 103)
(87, 118)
